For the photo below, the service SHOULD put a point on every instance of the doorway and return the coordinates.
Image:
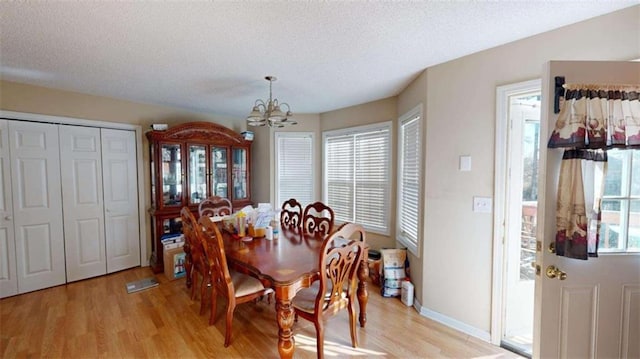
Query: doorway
(517, 154)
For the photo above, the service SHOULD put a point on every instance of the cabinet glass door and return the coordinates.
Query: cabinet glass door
(219, 170)
(171, 168)
(240, 173)
(197, 173)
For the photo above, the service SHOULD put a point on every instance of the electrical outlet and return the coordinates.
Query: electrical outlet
(482, 204)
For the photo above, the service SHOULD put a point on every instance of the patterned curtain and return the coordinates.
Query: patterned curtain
(592, 119)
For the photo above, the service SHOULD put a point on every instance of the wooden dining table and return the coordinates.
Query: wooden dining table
(289, 263)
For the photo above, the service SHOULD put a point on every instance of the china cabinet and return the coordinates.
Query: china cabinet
(189, 163)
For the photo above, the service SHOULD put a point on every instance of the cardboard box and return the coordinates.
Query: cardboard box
(174, 263)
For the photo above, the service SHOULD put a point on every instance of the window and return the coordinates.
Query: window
(408, 223)
(356, 175)
(294, 167)
(620, 227)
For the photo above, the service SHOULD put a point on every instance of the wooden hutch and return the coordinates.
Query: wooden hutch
(189, 163)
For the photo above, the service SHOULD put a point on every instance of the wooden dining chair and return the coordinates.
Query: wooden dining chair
(291, 216)
(236, 287)
(194, 256)
(215, 206)
(317, 220)
(336, 288)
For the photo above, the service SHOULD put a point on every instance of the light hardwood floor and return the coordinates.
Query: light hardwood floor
(96, 318)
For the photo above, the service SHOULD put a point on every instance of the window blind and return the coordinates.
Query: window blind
(357, 176)
(409, 182)
(294, 164)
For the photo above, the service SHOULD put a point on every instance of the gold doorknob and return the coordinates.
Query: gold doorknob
(553, 272)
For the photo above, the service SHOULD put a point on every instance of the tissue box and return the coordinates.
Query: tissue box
(174, 263)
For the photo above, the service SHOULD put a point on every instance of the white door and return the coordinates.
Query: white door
(120, 199)
(8, 278)
(81, 171)
(520, 218)
(595, 312)
(37, 205)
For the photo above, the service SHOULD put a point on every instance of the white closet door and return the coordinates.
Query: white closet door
(81, 172)
(8, 278)
(120, 199)
(37, 205)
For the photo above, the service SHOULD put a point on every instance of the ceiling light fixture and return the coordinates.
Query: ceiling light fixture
(269, 113)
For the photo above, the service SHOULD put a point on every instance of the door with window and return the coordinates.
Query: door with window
(520, 122)
(593, 312)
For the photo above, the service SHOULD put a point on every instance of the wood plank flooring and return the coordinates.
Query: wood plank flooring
(96, 318)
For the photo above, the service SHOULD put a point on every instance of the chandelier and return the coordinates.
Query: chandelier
(269, 113)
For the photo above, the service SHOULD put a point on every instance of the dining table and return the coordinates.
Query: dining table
(288, 263)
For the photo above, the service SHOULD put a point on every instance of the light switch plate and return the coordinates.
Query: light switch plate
(482, 204)
(465, 163)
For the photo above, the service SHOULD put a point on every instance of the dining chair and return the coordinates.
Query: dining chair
(236, 287)
(336, 288)
(215, 206)
(291, 216)
(194, 256)
(317, 220)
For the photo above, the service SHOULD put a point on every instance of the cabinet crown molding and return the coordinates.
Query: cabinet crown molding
(199, 131)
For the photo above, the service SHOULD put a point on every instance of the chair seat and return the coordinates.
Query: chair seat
(245, 284)
(305, 299)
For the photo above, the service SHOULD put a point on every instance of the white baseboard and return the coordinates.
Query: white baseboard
(453, 323)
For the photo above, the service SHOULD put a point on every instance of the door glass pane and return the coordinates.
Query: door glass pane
(197, 173)
(635, 172)
(219, 169)
(613, 179)
(171, 175)
(634, 225)
(611, 236)
(239, 173)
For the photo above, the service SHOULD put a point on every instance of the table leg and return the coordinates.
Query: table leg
(284, 316)
(363, 294)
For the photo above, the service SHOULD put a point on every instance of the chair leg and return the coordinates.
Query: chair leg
(203, 295)
(231, 307)
(214, 305)
(319, 338)
(194, 277)
(352, 324)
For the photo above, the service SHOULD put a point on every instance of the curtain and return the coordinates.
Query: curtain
(593, 118)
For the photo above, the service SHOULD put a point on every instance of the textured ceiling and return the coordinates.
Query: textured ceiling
(213, 56)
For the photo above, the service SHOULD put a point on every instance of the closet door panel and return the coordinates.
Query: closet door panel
(120, 199)
(37, 205)
(81, 170)
(8, 279)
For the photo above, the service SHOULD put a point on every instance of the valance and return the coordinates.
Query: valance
(598, 117)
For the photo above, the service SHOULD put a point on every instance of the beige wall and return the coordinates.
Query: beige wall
(40, 100)
(460, 115)
(453, 273)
